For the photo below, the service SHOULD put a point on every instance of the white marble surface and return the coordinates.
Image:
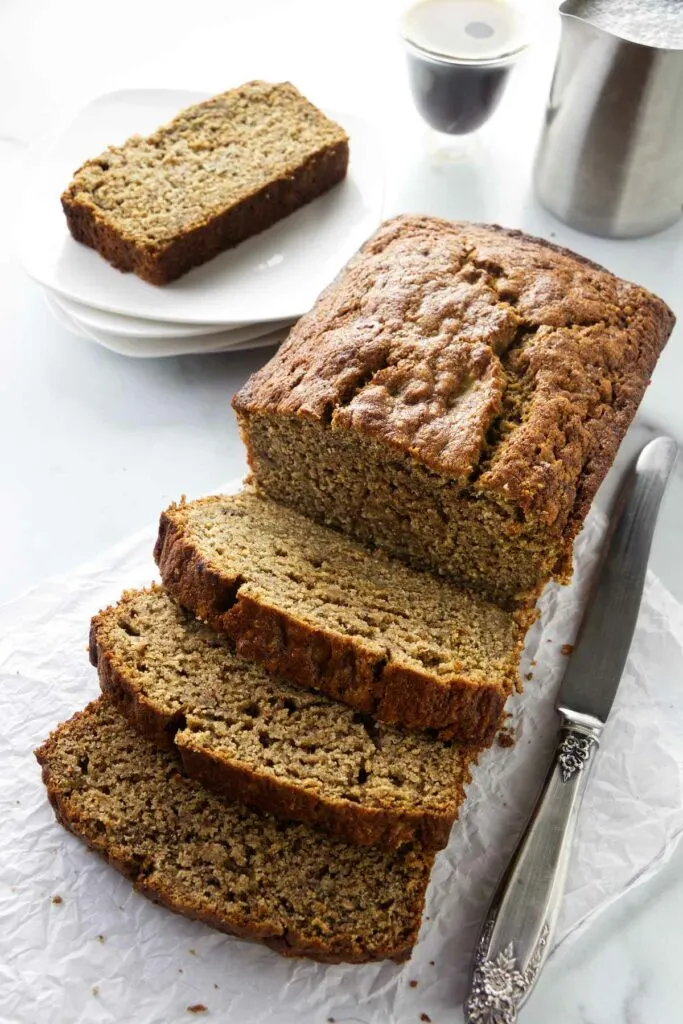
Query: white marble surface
(93, 445)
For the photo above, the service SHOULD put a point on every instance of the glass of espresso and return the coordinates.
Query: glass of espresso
(460, 54)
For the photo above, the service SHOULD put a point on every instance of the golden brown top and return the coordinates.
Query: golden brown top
(210, 157)
(500, 361)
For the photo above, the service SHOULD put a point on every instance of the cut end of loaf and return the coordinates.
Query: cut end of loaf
(390, 500)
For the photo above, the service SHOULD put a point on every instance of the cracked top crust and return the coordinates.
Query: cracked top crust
(498, 360)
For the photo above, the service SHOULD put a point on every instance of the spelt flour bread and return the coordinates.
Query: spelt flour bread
(250, 737)
(456, 396)
(283, 884)
(319, 609)
(220, 172)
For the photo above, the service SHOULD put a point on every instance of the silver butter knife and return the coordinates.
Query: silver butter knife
(516, 936)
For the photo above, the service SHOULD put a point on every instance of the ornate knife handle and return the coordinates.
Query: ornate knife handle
(515, 938)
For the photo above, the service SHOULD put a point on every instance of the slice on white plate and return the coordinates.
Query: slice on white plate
(239, 340)
(276, 275)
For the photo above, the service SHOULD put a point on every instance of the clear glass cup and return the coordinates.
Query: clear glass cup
(459, 55)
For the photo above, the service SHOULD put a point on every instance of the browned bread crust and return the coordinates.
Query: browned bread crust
(191, 683)
(271, 194)
(501, 366)
(362, 360)
(224, 865)
(457, 704)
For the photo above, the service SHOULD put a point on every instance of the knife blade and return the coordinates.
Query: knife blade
(517, 933)
(597, 662)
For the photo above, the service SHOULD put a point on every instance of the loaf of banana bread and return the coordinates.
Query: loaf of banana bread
(319, 609)
(254, 738)
(280, 883)
(220, 172)
(456, 397)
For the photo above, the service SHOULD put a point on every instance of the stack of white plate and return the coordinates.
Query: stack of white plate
(245, 298)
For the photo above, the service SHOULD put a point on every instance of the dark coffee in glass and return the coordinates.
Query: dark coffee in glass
(460, 54)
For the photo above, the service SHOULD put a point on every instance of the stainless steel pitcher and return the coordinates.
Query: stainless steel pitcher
(610, 158)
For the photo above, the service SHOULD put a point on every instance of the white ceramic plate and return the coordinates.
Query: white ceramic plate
(135, 327)
(61, 316)
(274, 276)
(256, 336)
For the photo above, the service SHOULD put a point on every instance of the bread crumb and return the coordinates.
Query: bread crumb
(413, 983)
(100, 938)
(426, 1018)
(529, 676)
(566, 649)
(506, 737)
(197, 1008)
(95, 990)
(57, 899)
(533, 663)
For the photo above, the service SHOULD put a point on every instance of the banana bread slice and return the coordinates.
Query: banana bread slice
(283, 884)
(456, 396)
(220, 172)
(250, 737)
(319, 609)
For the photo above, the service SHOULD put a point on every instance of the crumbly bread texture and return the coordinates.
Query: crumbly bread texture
(283, 884)
(456, 396)
(319, 609)
(251, 737)
(220, 172)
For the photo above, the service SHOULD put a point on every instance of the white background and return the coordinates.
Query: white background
(92, 446)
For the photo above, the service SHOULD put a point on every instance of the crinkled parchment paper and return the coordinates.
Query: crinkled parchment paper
(103, 953)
